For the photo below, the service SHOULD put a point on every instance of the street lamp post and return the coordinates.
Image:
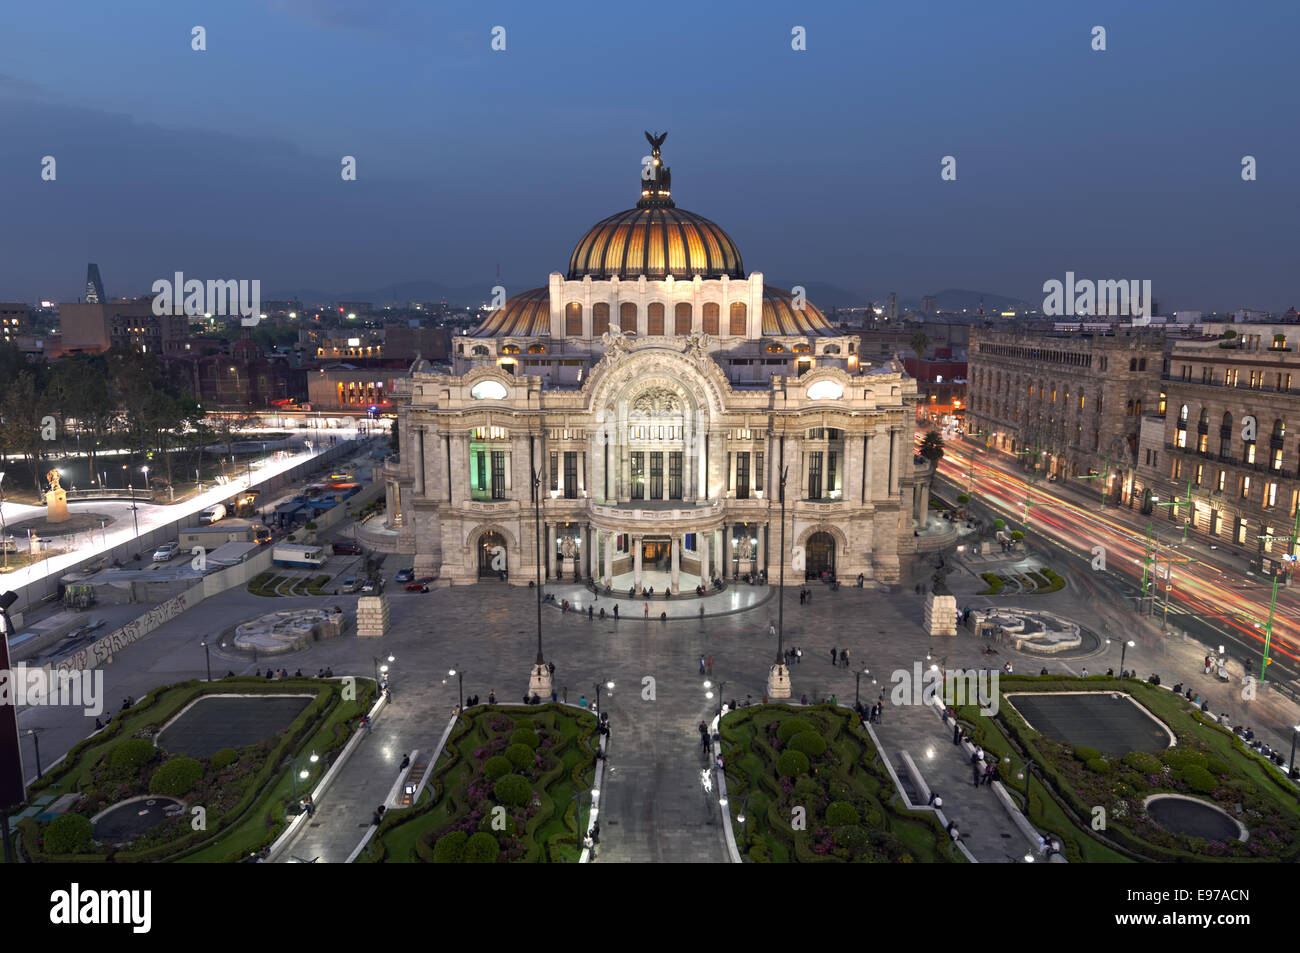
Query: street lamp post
(382, 669)
(460, 686)
(539, 682)
(36, 740)
(4, 528)
(296, 776)
(778, 679)
(207, 658)
(609, 686)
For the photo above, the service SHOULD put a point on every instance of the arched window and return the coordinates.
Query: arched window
(537, 349)
(573, 319)
(831, 349)
(655, 319)
(1182, 413)
(802, 349)
(1279, 429)
(627, 317)
(739, 317)
(510, 349)
(479, 351)
(599, 319)
(1204, 419)
(711, 317)
(682, 316)
(1132, 363)
(774, 348)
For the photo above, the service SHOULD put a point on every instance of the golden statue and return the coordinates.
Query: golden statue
(53, 479)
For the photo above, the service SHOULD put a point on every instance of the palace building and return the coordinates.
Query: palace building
(656, 393)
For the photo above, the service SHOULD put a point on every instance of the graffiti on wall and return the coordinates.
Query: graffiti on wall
(97, 653)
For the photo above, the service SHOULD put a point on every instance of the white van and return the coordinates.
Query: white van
(213, 514)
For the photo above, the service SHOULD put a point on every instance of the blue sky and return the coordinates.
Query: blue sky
(823, 165)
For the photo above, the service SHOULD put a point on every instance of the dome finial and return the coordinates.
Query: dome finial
(656, 178)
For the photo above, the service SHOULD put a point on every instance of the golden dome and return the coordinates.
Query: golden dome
(655, 242)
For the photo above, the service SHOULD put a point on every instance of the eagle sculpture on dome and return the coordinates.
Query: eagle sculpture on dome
(656, 141)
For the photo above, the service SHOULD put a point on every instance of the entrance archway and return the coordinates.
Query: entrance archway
(820, 552)
(492, 555)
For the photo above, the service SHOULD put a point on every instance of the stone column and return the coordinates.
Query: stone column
(759, 551)
(609, 558)
(676, 561)
(724, 553)
(593, 557)
(703, 546)
(636, 562)
(924, 509)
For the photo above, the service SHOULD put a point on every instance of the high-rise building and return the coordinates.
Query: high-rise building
(929, 305)
(94, 286)
(14, 320)
(891, 306)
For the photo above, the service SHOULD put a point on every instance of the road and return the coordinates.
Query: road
(1204, 588)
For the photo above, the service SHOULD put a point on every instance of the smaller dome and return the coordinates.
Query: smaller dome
(527, 314)
(780, 316)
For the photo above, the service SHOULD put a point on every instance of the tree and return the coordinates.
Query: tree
(932, 447)
(920, 343)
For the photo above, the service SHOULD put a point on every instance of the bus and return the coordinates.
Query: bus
(288, 554)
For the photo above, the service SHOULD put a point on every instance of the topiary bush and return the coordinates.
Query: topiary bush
(1198, 779)
(852, 838)
(840, 814)
(1144, 762)
(792, 764)
(496, 766)
(790, 727)
(1086, 754)
(519, 755)
(69, 834)
(481, 848)
(1179, 758)
(807, 787)
(223, 759)
(1098, 766)
(526, 737)
(811, 744)
(177, 777)
(1217, 767)
(129, 758)
(513, 790)
(450, 848)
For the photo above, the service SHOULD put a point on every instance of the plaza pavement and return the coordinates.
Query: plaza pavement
(653, 804)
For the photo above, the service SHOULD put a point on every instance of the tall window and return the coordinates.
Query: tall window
(573, 319)
(498, 474)
(655, 318)
(758, 470)
(742, 476)
(675, 475)
(815, 475)
(830, 472)
(480, 471)
(599, 319)
(711, 317)
(656, 476)
(638, 475)
(555, 471)
(570, 474)
(627, 317)
(739, 317)
(682, 318)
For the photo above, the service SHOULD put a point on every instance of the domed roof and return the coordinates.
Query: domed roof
(780, 316)
(527, 314)
(655, 242)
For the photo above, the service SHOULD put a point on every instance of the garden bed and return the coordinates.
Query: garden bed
(1208, 763)
(505, 790)
(780, 760)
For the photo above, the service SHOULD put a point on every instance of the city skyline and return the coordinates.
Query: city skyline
(456, 142)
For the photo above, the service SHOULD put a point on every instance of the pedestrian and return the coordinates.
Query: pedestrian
(701, 611)
(590, 612)
(956, 734)
(554, 697)
(492, 697)
(979, 775)
(771, 629)
(365, 721)
(701, 664)
(582, 701)
(708, 666)
(798, 655)
(565, 694)
(988, 774)
(803, 699)
(1085, 673)
(616, 612)
(646, 609)
(834, 655)
(844, 657)
(550, 667)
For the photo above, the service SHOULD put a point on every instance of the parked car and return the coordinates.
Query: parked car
(213, 514)
(347, 549)
(166, 551)
(405, 575)
(417, 587)
(351, 585)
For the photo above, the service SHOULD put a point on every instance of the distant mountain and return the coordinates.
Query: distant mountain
(823, 294)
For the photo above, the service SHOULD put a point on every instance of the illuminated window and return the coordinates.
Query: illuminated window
(739, 317)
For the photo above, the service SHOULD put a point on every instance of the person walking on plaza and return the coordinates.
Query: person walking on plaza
(646, 609)
(701, 664)
(771, 629)
(565, 694)
(844, 657)
(365, 721)
(616, 612)
(798, 655)
(582, 701)
(834, 655)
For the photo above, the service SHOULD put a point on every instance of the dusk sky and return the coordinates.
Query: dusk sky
(823, 165)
